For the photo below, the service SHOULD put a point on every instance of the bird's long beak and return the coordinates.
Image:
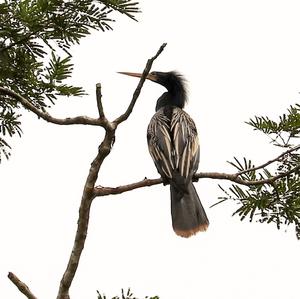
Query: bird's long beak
(149, 77)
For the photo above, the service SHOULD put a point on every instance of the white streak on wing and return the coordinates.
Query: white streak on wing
(176, 146)
(166, 167)
(185, 142)
(188, 160)
(167, 139)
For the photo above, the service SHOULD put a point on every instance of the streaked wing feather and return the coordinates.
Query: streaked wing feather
(186, 145)
(159, 144)
(173, 145)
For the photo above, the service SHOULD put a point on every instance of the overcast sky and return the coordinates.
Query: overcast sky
(241, 58)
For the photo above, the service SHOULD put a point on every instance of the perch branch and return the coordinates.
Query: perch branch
(23, 288)
(137, 91)
(78, 120)
(103, 191)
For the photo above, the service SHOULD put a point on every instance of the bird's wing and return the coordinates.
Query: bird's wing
(186, 143)
(160, 144)
(173, 144)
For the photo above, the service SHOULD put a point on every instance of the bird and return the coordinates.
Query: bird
(174, 147)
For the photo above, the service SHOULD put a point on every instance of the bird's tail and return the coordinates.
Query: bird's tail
(188, 215)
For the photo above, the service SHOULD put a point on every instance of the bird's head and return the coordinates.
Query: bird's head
(169, 80)
(172, 81)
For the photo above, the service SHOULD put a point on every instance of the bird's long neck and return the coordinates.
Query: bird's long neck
(175, 96)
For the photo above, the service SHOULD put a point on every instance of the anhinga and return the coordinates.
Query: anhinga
(173, 145)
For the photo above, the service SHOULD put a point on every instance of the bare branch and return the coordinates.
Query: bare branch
(23, 288)
(78, 120)
(137, 91)
(84, 212)
(103, 191)
(99, 100)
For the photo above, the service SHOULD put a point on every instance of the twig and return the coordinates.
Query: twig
(99, 100)
(137, 91)
(270, 161)
(78, 120)
(22, 40)
(236, 179)
(23, 288)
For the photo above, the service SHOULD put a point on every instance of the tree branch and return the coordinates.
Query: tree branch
(88, 192)
(103, 191)
(99, 100)
(85, 120)
(137, 91)
(20, 41)
(295, 148)
(23, 288)
(234, 177)
(78, 120)
(84, 212)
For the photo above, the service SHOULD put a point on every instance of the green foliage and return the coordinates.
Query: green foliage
(280, 131)
(277, 201)
(35, 43)
(128, 295)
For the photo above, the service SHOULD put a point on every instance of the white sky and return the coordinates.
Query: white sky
(241, 59)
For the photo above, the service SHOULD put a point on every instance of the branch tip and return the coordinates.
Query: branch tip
(99, 101)
(138, 89)
(23, 288)
(78, 120)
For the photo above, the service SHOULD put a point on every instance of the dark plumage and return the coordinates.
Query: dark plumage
(174, 147)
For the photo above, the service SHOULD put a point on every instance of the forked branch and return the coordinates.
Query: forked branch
(88, 192)
(78, 120)
(137, 91)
